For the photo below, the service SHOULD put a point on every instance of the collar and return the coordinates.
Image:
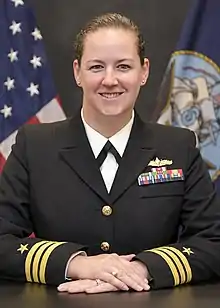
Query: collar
(119, 140)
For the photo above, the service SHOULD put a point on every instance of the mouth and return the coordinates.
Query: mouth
(111, 95)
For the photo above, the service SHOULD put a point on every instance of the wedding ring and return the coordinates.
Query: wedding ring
(98, 282)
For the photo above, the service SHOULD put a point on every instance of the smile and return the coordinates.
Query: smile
(111, 95)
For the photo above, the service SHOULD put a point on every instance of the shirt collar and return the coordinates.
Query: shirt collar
(119, 140)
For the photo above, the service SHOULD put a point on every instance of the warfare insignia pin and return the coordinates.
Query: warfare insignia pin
(160, 162)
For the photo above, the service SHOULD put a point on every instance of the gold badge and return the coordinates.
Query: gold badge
(160, 162)
(22, 248)
(188, 251)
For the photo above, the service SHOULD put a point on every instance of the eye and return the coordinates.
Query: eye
(124, 67)
(96, 67)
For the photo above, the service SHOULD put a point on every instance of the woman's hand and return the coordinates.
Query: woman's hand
(86, 286)
(113, 269)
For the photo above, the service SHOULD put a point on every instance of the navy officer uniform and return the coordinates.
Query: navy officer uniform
(160, 204)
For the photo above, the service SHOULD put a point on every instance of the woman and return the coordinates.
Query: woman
(129, 205)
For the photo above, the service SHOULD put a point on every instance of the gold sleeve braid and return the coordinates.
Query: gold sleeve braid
(37, 259)
(177, 262)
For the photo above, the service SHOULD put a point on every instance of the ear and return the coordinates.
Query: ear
(145, 71)
(76, 71)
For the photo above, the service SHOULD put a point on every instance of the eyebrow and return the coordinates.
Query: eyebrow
(119, 61)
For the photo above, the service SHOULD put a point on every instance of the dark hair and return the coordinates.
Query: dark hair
(109, 20)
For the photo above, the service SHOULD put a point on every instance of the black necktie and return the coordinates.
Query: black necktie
(108, 147)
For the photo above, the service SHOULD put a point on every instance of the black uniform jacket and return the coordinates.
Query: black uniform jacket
(51, 185)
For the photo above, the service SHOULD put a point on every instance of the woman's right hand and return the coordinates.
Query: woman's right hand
(111, 268)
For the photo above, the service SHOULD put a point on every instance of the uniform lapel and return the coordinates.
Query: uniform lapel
(77, 153)
(139, 151)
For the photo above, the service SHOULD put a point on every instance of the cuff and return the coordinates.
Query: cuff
(167, 266)
(81, 253)
(57, 260)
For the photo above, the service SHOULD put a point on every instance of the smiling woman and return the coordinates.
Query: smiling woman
(115, 203)
(110, 67)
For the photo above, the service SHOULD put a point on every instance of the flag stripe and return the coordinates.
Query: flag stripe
(5, 146)
(2, 162)
(51, 112)
(33, 120)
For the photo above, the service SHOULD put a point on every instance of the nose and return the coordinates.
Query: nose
(110, 78)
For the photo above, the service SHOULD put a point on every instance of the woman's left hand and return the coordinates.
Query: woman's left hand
(86, 286)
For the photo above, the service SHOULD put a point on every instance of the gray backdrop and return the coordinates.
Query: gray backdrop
(60, 20)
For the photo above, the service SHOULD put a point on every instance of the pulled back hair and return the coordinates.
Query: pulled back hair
(109, 20)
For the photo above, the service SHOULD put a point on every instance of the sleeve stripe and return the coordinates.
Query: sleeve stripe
(37, 258)
(29, 258)
(170, 263)
(35, 266)
(176, 260)
(44, 260)
(184, 261)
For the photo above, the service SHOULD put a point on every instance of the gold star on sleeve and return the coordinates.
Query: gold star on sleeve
(22, 248)
(188, 251)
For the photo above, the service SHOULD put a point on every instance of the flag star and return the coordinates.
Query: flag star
(15, 27)
(13, 55)
(9, 83)
(36, 34)
(36, 61)
(6, 111)
(33, 89)
(22, 248)
(17, 2)
(188, 251)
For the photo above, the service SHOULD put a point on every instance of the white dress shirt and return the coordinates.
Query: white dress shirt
(97, 141)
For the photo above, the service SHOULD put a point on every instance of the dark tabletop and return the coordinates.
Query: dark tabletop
(20, 295)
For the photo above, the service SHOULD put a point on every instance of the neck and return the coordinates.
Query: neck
(107, 126)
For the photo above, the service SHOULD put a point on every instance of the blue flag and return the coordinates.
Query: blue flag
(27, 91)
(194, 77)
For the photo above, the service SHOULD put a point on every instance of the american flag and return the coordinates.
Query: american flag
(27, 91)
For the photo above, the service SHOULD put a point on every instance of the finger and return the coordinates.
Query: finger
(141, 272)
(142, 282)
(104, 287)
(134, 274)
(77, 286)
(128, 257)
(132, 281)
(137, 276)
(122, 280)
(117, 283)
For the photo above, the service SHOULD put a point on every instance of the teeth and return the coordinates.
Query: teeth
(110, 95)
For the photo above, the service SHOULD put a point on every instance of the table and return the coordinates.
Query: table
(29, 295)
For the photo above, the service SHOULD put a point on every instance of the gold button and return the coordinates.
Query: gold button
(106, 210)
(105, 246)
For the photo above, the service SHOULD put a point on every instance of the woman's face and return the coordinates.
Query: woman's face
(110, 72)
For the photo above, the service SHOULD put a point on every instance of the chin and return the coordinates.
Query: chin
(112, 112)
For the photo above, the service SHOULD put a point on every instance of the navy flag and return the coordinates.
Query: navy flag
(193, 72)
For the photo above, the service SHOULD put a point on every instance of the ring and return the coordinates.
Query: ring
(98, 282)
(114, 273)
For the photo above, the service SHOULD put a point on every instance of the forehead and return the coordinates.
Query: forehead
(110, 41)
